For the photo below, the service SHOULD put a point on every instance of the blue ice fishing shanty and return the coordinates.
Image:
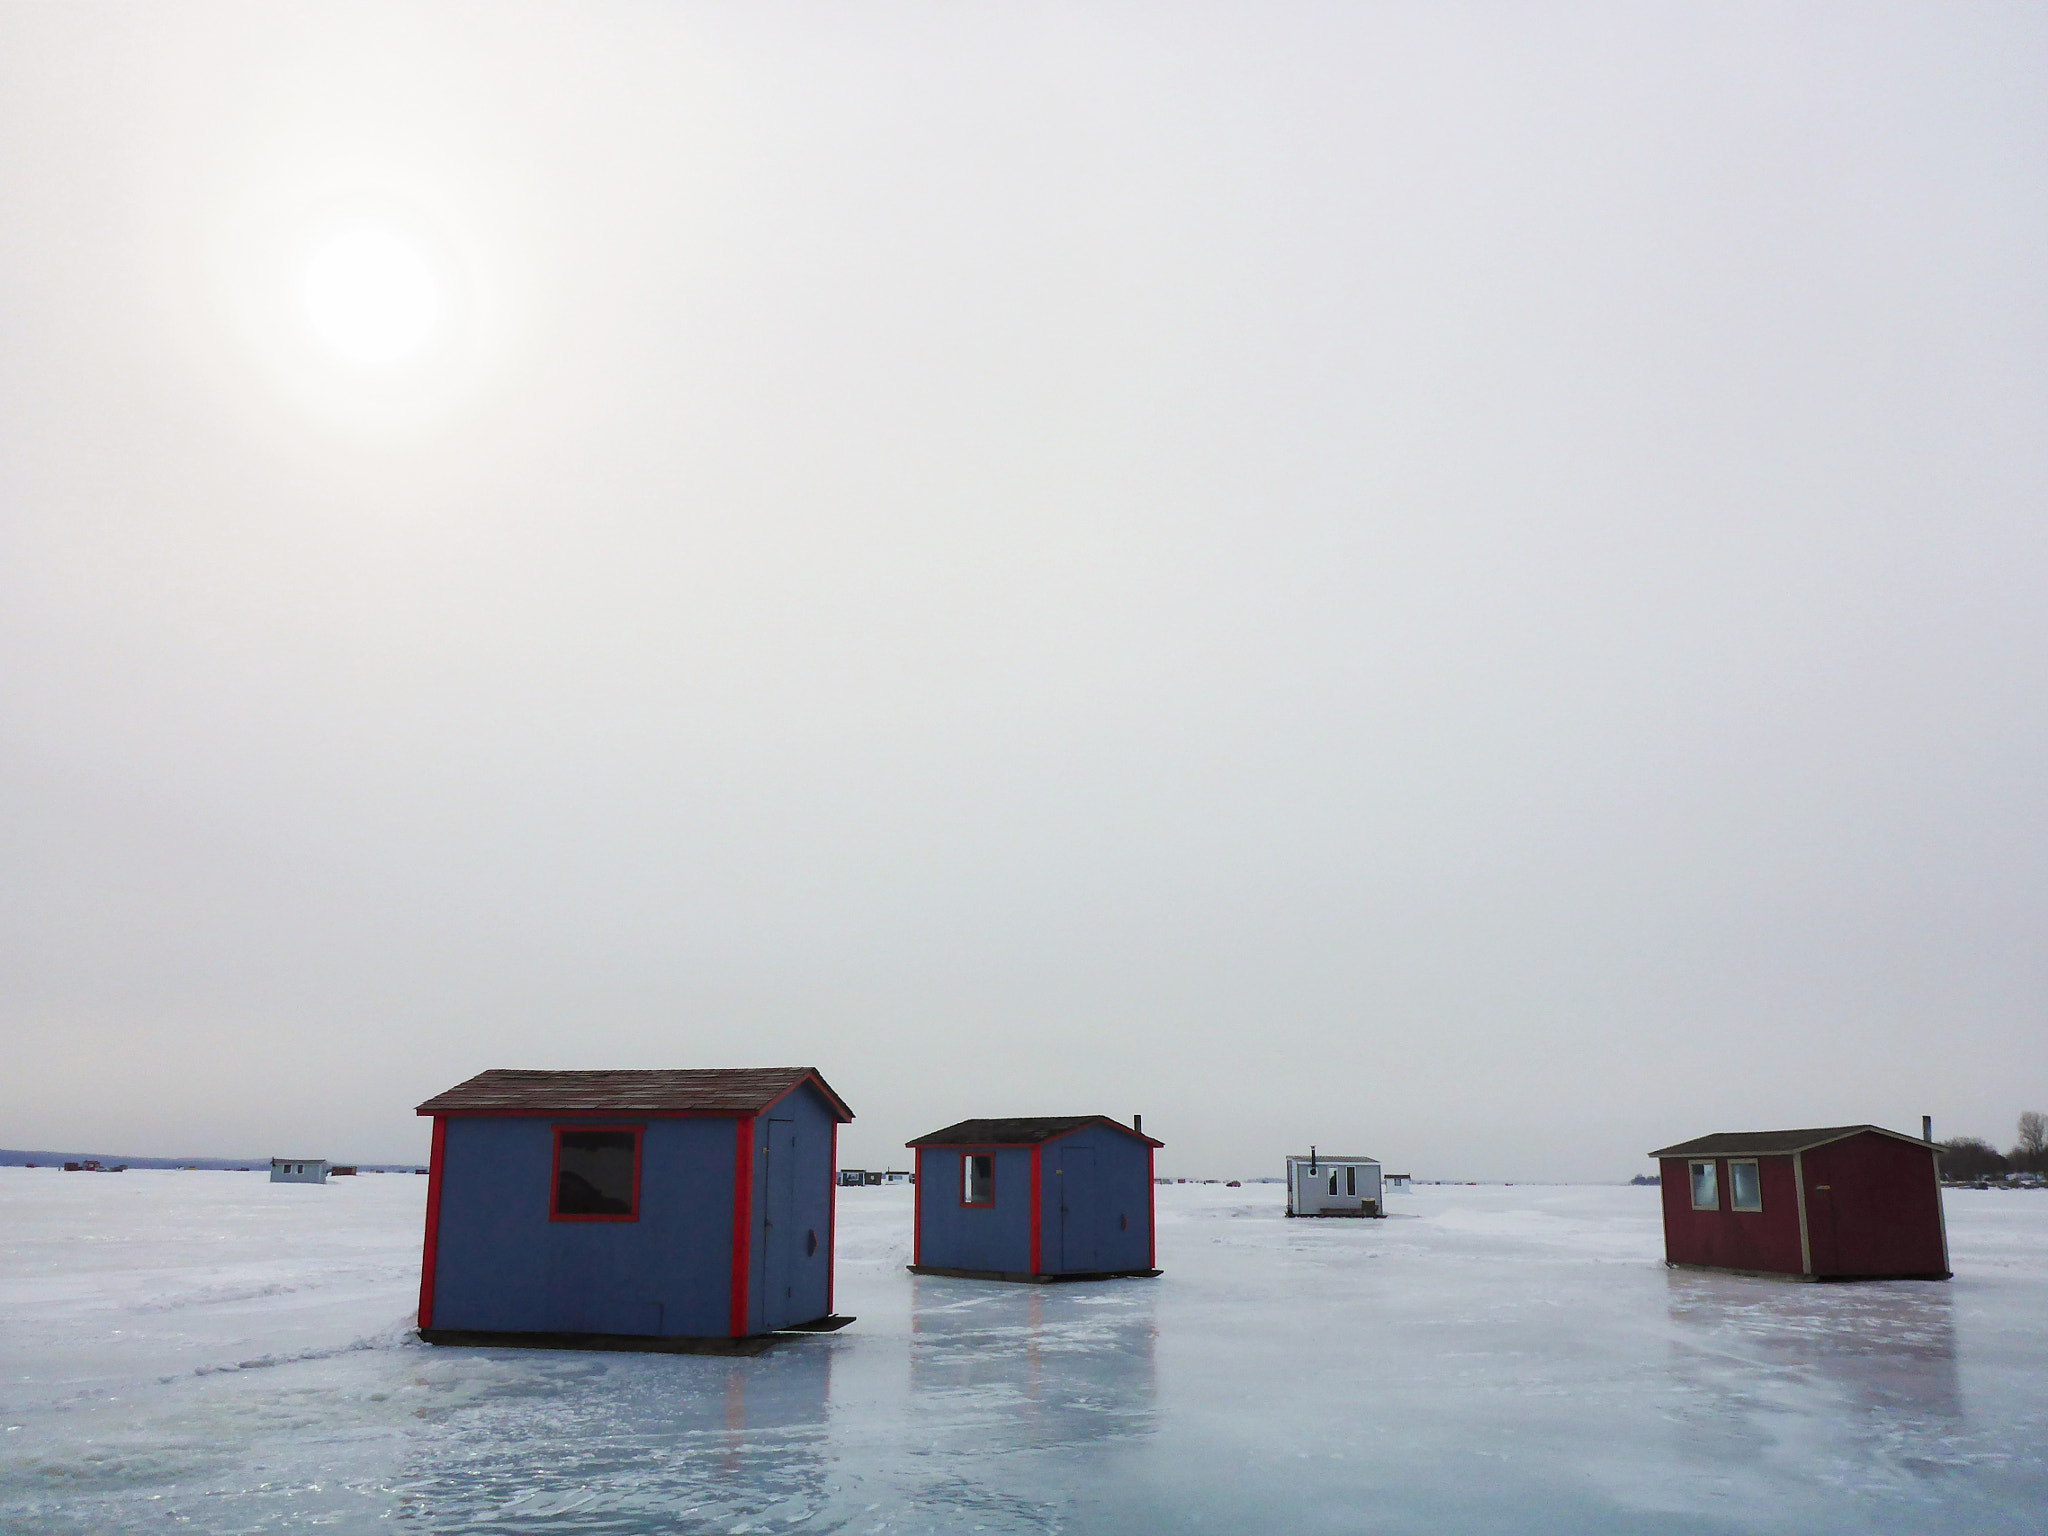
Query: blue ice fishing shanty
(640, 1209)
(1060, 1197)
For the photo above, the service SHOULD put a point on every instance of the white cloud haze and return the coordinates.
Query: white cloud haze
(1465, 582)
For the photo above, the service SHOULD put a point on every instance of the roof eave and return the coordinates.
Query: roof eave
(837, 1105)
(931, 1138)
(1688, 1149)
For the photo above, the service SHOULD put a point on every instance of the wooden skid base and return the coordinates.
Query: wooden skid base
(634, 1343)
(1779, 1274)
(1335, 1215)
(1017, 1279)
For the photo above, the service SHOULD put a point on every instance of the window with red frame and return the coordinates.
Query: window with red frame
(597, 1173)
(977, 1179)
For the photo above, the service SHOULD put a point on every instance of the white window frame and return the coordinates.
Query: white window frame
(1692, 1177)
(1756, 1174)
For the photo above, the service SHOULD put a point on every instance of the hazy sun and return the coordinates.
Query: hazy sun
(373, 295)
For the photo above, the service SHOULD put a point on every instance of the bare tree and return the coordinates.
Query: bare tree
(1967, 1158)
(2033, 1133)
(2032, 1152)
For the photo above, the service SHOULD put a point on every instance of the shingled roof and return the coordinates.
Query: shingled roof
(1020, 1132)
(1773, 1143)
(698, 1090)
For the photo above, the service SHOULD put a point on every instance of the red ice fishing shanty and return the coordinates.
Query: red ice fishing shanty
(1845, 1202)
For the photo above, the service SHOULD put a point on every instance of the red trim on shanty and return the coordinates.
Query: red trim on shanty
(742, 1222)
(917, 1209)
(1034, 1212)
(430, 1248)
(832, 1100)
(831, 1216)
(550, 1114)
(639, 1135)
(837, 1104)
(1152, 1214)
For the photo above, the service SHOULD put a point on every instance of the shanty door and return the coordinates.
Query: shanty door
(1080, 1221)
(778, 1226)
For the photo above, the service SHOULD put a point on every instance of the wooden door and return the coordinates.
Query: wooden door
(1080, 1221)
(778, 1226)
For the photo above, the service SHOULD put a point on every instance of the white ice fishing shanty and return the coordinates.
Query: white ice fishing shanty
(298, 1170)
(1318, 1185)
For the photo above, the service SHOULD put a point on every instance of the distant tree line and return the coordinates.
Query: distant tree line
(1968, 1157)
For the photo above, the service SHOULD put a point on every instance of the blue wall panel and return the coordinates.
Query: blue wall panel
(953, 1236)
(501, 1264)
(1095, 1202)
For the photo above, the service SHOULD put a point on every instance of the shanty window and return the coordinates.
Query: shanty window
(1350, 1181)
(1745, 1189)
(978, 1179)
(597, 1173)
(1706, 1192)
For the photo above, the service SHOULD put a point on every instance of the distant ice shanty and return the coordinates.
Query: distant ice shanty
(654, 1209)
(299, 1170)
(1318, 1185)
(1058, 1197)
(1845, 1202)
(855, 1178)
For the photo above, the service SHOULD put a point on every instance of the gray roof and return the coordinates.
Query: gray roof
(698, 1090)
(1772, 1143)
(1019, 1131)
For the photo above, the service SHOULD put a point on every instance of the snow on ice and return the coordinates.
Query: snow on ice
(211, 1352)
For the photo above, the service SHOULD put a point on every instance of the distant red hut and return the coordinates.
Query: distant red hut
(1845, 1202)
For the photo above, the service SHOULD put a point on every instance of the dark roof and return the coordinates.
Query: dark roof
(1020, 1132)
(698, 1090)
(1773, 1143)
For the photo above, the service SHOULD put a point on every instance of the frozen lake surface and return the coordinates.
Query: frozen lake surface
(210, 1352)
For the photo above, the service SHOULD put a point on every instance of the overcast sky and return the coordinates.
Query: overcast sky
(1464, 584)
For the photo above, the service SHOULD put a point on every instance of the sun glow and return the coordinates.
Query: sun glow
(372, 292)
(373, 296)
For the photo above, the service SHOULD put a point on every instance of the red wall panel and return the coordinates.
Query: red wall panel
(1873, 1208)
(1765, 1240)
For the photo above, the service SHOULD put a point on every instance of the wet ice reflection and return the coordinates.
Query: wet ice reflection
(1884, 1347)
(986, 1406)
(588, 1442)
(997, 1368)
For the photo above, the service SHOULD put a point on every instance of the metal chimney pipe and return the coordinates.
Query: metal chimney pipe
(1138, 1124)
(1927, 1127)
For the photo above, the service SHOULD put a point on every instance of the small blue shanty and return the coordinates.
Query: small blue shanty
(669, 1210)
(1056, 1197)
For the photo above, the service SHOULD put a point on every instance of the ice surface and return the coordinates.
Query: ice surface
(211, 1352)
